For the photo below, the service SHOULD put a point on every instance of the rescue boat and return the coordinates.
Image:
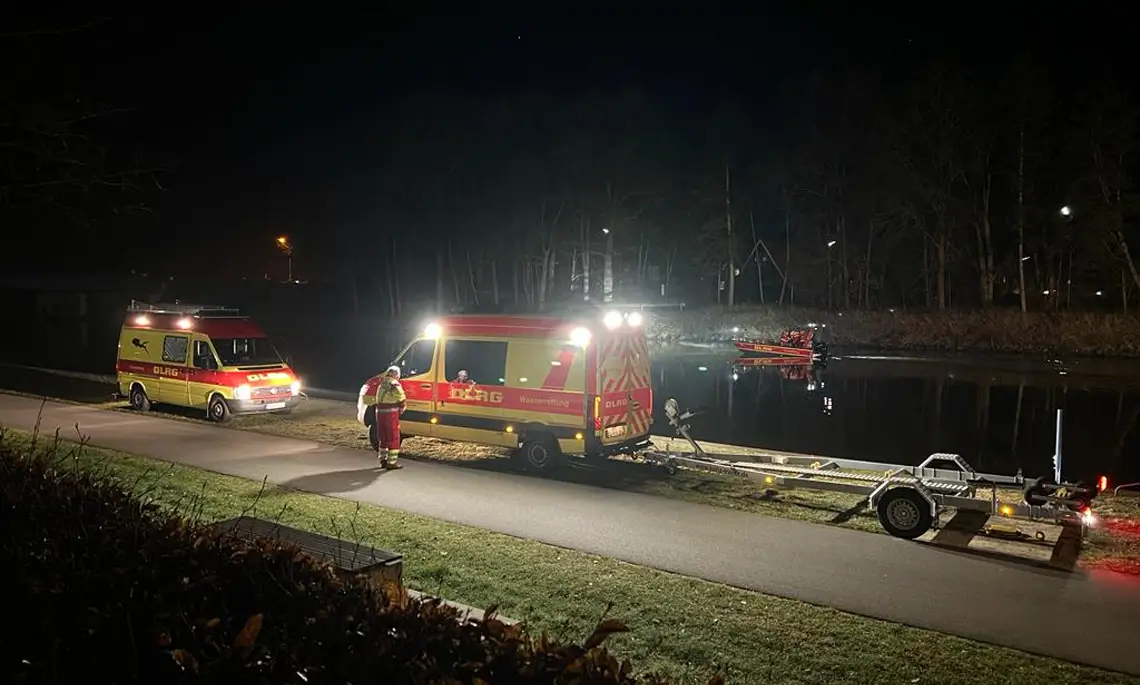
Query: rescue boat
(797, 344)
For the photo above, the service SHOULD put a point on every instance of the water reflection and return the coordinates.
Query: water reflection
(999, 418)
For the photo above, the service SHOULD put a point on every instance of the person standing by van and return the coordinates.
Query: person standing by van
(390, 404)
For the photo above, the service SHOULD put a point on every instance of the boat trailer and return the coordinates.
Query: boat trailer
(908, 499)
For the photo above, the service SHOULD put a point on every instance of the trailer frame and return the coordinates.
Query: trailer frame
(909, 500)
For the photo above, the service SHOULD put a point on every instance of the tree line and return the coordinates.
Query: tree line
(953, 189)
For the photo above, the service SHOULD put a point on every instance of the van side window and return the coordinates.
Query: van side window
(204, 356)
(174, 348)
(484, 361)
(417, 359)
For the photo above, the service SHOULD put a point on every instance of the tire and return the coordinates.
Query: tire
(374, 436)
(217, 410)
(1037, 491)
(540, 453)
(904, 513)
(139, 400)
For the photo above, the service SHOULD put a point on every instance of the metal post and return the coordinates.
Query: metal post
(1057, 451)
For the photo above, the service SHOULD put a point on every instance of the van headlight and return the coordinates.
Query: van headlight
(295, 387)
(243, 392)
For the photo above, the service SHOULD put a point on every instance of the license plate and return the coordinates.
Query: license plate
(615, 431)
(275, 405)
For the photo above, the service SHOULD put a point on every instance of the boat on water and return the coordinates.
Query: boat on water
(798, 344)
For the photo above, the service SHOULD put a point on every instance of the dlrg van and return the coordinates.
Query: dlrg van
(209, 358)
(547, 387)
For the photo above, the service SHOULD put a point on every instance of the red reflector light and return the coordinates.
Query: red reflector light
(1102, 483)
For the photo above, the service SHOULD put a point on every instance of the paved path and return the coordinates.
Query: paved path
(1093, 619)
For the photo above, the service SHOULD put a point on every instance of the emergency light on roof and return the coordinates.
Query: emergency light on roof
(433, 330)
(142, 321)
(580, 337)
(184, 323)
(614, 319)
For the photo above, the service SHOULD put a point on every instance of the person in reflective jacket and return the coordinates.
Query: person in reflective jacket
(390, 404)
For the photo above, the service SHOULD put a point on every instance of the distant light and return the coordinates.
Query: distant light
(735, 329)
(702, 368)
(580, 337)
(1099, 293)
(1066, 210)
(281, 240)
(1044, 292)
(184, 323)
(612, 320)
(1102, 483)
(433, 331)
(1025, 259)
(831, 243)
(605, 231)
(735, 376)
(634, 319)
(142, 321)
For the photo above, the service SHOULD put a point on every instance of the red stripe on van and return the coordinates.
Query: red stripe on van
(558, 375)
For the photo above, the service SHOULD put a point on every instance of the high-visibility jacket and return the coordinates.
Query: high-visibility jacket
(390, 396)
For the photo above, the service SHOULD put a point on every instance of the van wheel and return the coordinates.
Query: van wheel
(139, 400)
(218, 410)
(374, 436)
(540, 453)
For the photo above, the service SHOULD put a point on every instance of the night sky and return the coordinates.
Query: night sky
(264, 112)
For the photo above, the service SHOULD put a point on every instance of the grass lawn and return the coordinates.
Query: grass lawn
(1114, 545)
(681, 627)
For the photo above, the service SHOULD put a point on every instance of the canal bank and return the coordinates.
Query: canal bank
(333, 422)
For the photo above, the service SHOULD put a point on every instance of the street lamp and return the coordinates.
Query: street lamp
(285, 246)
(1066, 211)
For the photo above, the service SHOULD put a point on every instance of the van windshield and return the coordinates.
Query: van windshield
(246, 351)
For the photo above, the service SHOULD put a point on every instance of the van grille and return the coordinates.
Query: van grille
(274, 391)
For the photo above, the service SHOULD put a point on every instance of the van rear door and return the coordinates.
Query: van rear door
(624, 404)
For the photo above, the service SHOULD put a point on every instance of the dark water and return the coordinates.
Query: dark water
(900, 411)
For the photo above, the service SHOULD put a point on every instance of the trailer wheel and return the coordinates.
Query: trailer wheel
(539, 452)
(139, 400)
(904, 513)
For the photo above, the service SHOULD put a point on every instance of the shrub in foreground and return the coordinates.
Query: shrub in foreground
(991, 330)
(104, 587)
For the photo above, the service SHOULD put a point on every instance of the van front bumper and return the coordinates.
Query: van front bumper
(260, 405)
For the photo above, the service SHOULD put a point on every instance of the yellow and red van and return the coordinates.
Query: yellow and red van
(546, 386)
(209, 358)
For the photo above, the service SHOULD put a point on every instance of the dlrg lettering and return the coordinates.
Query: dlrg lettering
(470, 394)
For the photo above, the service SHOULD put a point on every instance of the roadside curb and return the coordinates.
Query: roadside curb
(467, 612)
